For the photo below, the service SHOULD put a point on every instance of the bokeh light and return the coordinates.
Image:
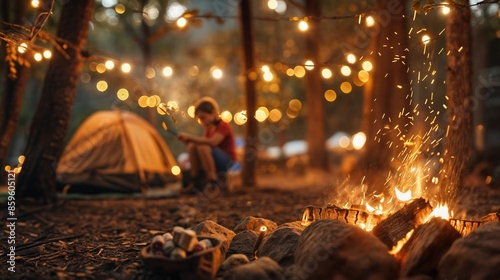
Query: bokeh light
(330, 95)
(225, 116)
(345, 70)
(275, 115)
(47, 54)
(351, 58)
(122, 94)
(126, 68)
(346, 87)
(309, 65)
(176, 170)
(102, 86)
(303, 26)
(326, 73)
(367, 66)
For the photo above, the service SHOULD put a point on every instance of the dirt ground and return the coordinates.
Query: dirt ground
(101, 238)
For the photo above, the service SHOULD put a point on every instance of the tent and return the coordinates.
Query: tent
(115, 151)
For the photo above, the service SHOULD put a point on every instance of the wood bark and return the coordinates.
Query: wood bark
(397, 225)
(251, 140)
(10, 105)
(50, 122)
(457, 140)
(314, 96)
(422, 252)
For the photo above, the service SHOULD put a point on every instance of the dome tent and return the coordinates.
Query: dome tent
(115, 151)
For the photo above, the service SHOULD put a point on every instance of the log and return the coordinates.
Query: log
(464, 227)
(351, 216)
(397, 225)
(423, 251)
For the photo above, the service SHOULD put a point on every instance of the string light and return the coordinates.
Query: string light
(38, 56)
(167, 71)
(35, 3)
(120, 9)
(351, 58)
(122, 94)
(309, 65)
(426, 39)
(369, 21)
(367, 66)
(445, 10)
(102, 86)
(181, 22)
(345, 70)
(326, 73)
(47, 54)
(126, 68)
(109, 64)
(217, 73)
(22, 48)
(303, 26)
(330, 95)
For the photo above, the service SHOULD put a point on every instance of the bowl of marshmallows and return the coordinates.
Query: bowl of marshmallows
(183, 254)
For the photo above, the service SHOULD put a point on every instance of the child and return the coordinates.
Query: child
(214, 152)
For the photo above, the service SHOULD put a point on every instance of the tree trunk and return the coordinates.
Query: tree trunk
(387, 90)
(50, 122)
(10, 105)
(458, 90)
(147, 58)
(314, 95)
(251, 140)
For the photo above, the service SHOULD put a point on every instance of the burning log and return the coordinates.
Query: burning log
(397, 225)
(350, 216)
(464, 227)
(422, 252)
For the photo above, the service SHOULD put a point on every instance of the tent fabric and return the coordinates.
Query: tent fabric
(115, 151)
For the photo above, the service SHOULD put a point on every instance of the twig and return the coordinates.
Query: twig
(34, 244)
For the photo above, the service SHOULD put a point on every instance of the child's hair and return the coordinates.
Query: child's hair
(207, 105)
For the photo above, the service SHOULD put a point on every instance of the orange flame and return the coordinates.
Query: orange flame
(403, 196)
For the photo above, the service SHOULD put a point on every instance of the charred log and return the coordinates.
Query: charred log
(397, 225)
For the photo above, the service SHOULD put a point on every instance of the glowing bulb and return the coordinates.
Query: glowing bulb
(358, 140)
(309, 65)
(122, 94)
(346, 87)
(126, 68)
(426, 39)
(445, 10)
(326, 73)
(299, 71)
(367, 66)
(330, 95)
(21, 159)
(226, 116)
(181, 22)
(22, 48)
(303, 26)
(345, 70)
(190, 111)
(369, 21)
(47, 54)
(268, 76)
(272, 4)
(275, 115)
(120, 9)
(150, 73)
(109, 64)
(35, 3)
(217, 73)
(265, 68)
(176, 170)
(102, 86)
(351, 58)
(38, 56)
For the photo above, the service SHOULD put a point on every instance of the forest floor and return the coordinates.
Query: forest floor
(101, 237)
